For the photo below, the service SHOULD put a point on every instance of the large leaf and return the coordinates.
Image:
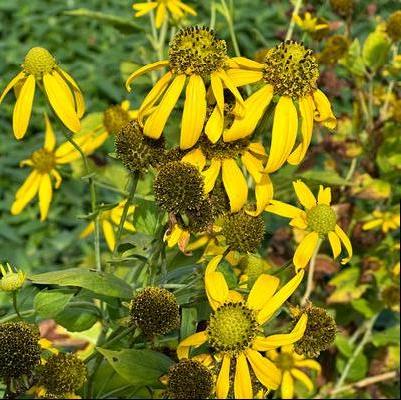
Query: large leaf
(49, 303)
(76, 319)
(97, 282)
(139, 367)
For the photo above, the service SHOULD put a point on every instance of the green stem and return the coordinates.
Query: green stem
(297, 7)
(15, 305)
(212, 15)
(10, 317)
(309, 284)
(230, 22)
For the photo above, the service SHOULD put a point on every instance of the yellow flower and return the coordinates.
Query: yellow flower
(163, 7)
(110, 219)
(44, 163)
(289, 362)
(290, 73)
(40, 68)
(235, 331)
(319, 219)
(11, 280)
(309, 23)
(387, 220)
(196, 56)
(222, 158)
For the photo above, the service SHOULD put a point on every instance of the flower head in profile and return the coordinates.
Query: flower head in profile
(11, 280)
(41, 69)
(196, 57)
(290, 364)
(318, 218)
(289, 73)
(235, 331)
(308, 23)
(386, 220)
(109, 220)
(44, 163)
(176, 8)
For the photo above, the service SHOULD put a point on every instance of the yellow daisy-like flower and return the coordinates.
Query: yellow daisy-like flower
(44, 163)
(289, 362)
(164, 8)
(40, 68)
(222, 159)
(110, 220)
(235, 331)
(319, 219)
(289, 72)
(386, 220)
(11, 280)
(309, 23)
(196, 56)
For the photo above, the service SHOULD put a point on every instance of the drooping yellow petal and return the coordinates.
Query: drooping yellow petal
(108, 232)
(284, 133)
(372, 224)
(335, 244)
(274, 341)
(262, 291)
(23, 107)
(213, 264)
(255, 106)
(279, 298)
(50, 137)
(305, 249)
(253, 165)
(287, 386)
(26, 192)
(324, 196)
(306, 108)
(196, 158)
(266, 372)
(299, 222)
(216, 289)
(161, 14)
(345, 240)
(61, 105)
(144, 8)
(304, 194)
(223, 380)
(246, 63)
(88, 230)
(45, 195)
(155, 123)
(210, 175)
(27, 185)
(264, 192)
(239, 106)
(323, 112)
(283, 209)
(144, 70)
(79, 98)
(19, 77)
(302, 377)
(242, 379)
(174, 9)
(186, 8)
(234, 184)
(215, 124)
(196, 340)
(312, 364)
(241, 77)
(193, 117)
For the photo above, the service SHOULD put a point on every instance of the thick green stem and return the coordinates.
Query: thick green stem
(15, 305)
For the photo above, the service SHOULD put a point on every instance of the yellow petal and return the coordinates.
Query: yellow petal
(26, 193)
(108, 232)
(144, 8)
(45, 195)
(27, 185)
(210, 175)
(254, 166)
(196, 340)
(223, 380)
(263, 193)
(262, 291)
(302, 377)
(244, 62)
(157, 120)
(215, 124)
(279, 298)
(144, 70)
(323, 111)
(242, 379)
(11, 84)
(266, 372)
(283, 209)
(61, 105)
(50, 137)
(372, 224)
(335, 244)
(194, 113)
(23, 107)
(213, 264)
(234, 184)
(241, 77)
(312, 364)
(88, 230)
(79, 98)
(300, 221)
(240, 106)
(345, 240)
(196, 158)
(287, 386)
(324, 196)
(304, 194)
(255, 106)
(306, 108)
(161, 15)
(174, 9)
(284, 134)
(216, 289)
(186, 8)
(284, 339)
(305, 249)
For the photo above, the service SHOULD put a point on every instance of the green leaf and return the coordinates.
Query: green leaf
(347, 286)
(343, 345)
(146, 216)
(358, 369)
(387, 337)
(49, 303)
(375, 49)
(353, 61)
(76, 319)
(366, 308)
(229, 275)
(139, 367)
(97, 282)
(188, 321)
(324, 177)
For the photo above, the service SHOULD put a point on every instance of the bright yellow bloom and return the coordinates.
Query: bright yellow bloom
(176, 8)
(40, 68)
(309, 23)
(44, 163)
(110, 220)
(386, 220)
(223, 159)
(196, 56)
(290, 73)
(235, 331)
(289, 362)
(319, 219)
(11, 280)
